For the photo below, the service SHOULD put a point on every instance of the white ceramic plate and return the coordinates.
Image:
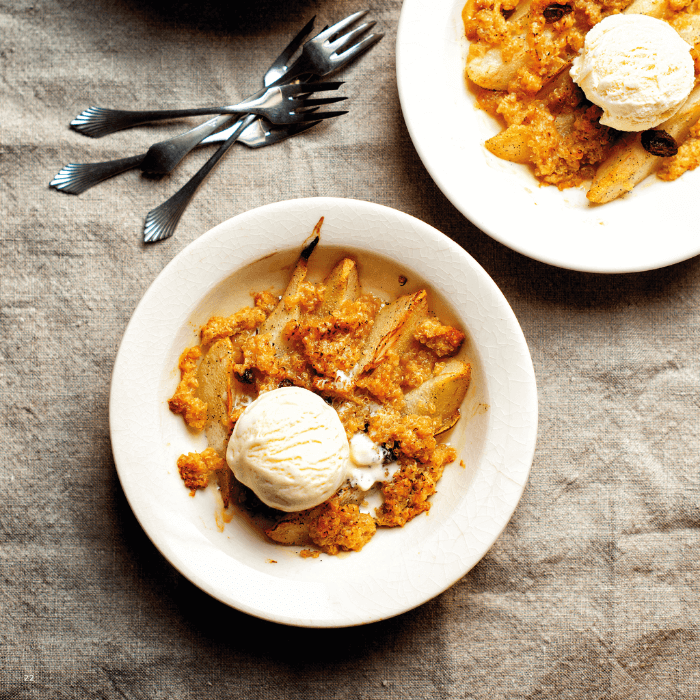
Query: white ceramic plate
(399, 568)
(654, 226)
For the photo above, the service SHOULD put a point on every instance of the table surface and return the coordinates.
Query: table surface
(592, 590)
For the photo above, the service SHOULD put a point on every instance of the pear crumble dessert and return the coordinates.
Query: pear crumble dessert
(600, 93)
(322, 408)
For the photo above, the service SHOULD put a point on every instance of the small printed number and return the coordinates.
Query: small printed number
(29, 677)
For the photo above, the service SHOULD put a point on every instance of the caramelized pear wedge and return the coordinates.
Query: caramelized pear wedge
(487, 69)
(215, 388)
(629, 162)
(393, 329)
(292, 529)
(512, 144)
(441, 395)
(276, 322)
(227, 485)
(485, 64)
(342, 284)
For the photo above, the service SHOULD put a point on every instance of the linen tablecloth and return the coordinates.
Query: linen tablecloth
(592, 590)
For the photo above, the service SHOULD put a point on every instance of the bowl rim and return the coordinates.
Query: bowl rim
(192, 273)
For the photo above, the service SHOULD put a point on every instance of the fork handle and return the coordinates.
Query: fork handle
(100, 121)
(75, 178)
(110, 168)
(163, 157)
(161, 222)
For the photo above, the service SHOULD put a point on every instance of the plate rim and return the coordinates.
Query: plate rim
(603, 242)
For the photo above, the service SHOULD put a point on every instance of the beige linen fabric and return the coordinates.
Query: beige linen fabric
(592, 591)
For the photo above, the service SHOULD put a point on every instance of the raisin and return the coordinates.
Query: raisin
(402, 280)
(246, 377)
(659, 143)
(507, 13)
(555, 11)
(389, 454)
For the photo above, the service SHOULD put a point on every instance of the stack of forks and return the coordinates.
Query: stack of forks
(283, 108)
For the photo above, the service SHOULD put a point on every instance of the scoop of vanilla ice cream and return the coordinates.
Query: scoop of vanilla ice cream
(637, 69)
(290, 448)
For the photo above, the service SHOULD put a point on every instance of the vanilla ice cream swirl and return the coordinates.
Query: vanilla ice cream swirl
(637, 69)
(290, 448)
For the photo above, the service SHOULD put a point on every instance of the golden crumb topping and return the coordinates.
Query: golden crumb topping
(413, 435)
(184, 401)
(341, 528)
(687, 158)
(266, 301)
(333, 343)
(244, 320)
(444, 340)
(406, 495)
(197, 467)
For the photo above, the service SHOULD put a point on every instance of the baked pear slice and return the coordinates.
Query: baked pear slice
(215, 388)
(487, 69)
(512, 144)
(485, 64)
(629, 162)
(292, 529)
(277, 321)
(218, 387)
(342, 284)
(393, 329)
(441, 396)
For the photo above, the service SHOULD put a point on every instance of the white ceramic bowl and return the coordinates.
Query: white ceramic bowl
(399, 568)
(653, 226)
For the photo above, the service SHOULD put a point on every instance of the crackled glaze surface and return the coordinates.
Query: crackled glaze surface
(399, 569)
(504, 199)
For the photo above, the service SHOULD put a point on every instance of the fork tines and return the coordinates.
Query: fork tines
(352, 35)
(306, 109)
(338, 43)
(323, 101)
(367, 43)
(331, 31)
(312, 114)
(306, 88)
